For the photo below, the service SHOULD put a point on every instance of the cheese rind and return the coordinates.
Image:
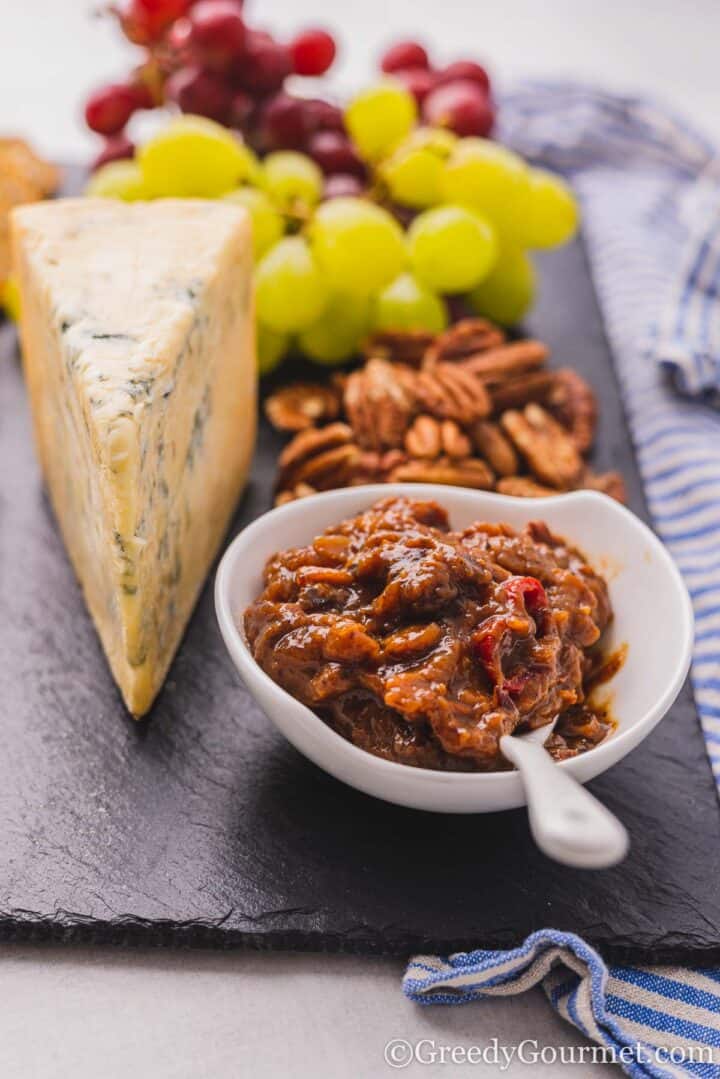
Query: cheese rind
(138, 343)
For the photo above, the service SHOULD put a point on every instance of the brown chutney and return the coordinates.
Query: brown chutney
(425, 645)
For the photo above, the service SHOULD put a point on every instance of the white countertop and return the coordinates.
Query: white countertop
(91, 1013)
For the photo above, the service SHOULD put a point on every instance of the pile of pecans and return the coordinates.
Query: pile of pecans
(467, 408)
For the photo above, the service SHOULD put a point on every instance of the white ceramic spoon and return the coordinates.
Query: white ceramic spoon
(566, 820)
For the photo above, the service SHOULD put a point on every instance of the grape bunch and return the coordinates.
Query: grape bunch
(202, 57)
(388, 216)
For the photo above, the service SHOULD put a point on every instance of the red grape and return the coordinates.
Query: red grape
(464, 69)
(145, 21)
(116, 148)
(283, 123)
(241, 109)
(418, 80)
(264, 65)
(179, 37)
(462, 106)
(109, 109)
(312, 52)
(217, 32)
(341, 185)
(201, 92)
(404, 54)
(322, 116)
(334, 153)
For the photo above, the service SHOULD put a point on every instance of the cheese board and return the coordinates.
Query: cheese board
(200, 826)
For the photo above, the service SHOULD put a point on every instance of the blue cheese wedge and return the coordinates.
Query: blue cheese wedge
(138, 346)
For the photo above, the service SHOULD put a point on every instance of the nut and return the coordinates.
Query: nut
(468, 473)
(374, 467)
(455, 442)
(466, 338)
(518, 391)
(497, 450)
(609, 483)
(548, 448)
(301, 490)
(324, 458)
(573, 402)
(450, 392)
(424, 438)
(301, 405)
(508, 360)
(403, 346)
(523, 487)
(379, 404)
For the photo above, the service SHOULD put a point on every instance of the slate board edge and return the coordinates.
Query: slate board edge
(65, 928)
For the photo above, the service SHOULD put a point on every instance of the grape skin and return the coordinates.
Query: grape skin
(407, 305)
(267, 224)
(451, 248)
(117, 180)
(380, 117)
(508, 291)
(195, 157)
(337, 334)
(360, 246)
(293, 180)
(289, 287)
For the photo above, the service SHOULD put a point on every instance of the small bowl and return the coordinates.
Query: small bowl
(653, 616)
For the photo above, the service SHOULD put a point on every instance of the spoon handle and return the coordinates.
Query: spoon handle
(567, 822)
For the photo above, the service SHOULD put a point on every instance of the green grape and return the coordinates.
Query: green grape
(439, 140)
(289, 288)
(407, 305)
(117, 180)
(267, 224)
(379, 117)
(509, 289)
(337, 334)
(195, 157)
(451, 248)
(414, 177)
(10, 298)
(360, 246)
(292, 180)
(271, 348)
(491, 179)
(551, 218)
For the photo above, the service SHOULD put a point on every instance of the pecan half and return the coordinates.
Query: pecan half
(547, 447)
(407, 346)
(379, 404)
(497, 450)
(466, 338)
(450, 392)
(573, 402)
(324, 458)
(468, 473)
(423, 439)
(374, 467)
(508, 360)
(301, 405)
(518, 391)
(301, 490)
(609, 483)
(523, 487)
(455, 442)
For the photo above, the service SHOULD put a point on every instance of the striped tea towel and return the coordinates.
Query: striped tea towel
(650, 193)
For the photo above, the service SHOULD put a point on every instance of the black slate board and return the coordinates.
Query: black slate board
(202, 826)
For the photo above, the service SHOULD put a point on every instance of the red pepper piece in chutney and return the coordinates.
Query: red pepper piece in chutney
(424, 645)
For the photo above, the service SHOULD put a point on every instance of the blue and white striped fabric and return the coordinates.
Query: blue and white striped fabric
(650, 193)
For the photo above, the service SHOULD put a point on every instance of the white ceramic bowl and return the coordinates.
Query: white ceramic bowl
(652, 608)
